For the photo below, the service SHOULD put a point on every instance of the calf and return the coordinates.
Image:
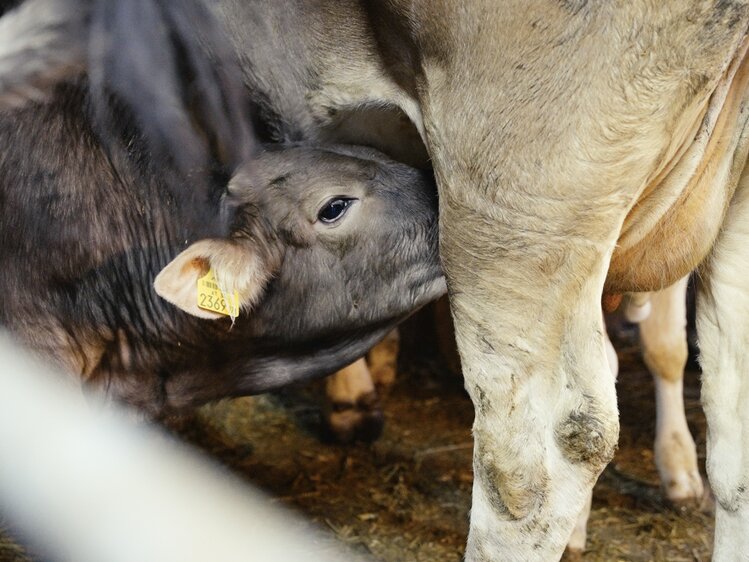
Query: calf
(90, 231)
(82, 249)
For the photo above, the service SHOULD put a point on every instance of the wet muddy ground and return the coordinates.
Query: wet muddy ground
(406, 497)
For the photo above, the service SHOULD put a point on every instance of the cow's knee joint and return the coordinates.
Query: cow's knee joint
(588, 437)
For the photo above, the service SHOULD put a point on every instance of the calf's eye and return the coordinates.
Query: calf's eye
(334, 209)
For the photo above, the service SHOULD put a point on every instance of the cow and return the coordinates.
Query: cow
(97, 274)
(581, 149)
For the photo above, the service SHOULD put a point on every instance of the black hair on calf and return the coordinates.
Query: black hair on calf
(161, 74)
(171, 66)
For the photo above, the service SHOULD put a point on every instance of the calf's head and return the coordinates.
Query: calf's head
(333, 247)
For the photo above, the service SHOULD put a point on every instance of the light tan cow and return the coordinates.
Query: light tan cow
(579, 148)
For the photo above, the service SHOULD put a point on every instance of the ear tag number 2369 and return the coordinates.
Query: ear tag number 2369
(212, 297)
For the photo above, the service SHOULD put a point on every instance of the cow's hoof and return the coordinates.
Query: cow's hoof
(383, 377)
(361, 421)
(684, 487)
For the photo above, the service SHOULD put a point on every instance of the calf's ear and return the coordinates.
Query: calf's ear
(235, 266)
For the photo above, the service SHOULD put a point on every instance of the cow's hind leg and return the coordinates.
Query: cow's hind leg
(723, 329)
(663, 335)
(576, 544)
(353, 411)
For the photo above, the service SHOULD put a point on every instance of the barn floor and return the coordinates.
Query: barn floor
(406, 497)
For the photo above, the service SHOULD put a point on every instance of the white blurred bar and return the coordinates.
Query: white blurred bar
(87, 485)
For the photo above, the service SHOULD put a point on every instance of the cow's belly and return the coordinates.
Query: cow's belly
(673, 225)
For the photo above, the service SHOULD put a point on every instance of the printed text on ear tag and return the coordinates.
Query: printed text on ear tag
(211, 297)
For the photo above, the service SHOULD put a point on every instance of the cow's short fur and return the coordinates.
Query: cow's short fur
(565, 137)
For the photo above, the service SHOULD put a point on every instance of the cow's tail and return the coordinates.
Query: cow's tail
(172, 66)
(42, 42)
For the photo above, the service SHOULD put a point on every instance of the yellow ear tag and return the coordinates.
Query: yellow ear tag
(212, 297)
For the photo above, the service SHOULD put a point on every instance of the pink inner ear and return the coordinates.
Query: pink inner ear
(201, 265)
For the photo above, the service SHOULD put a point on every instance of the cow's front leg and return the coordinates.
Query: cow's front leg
(526, 293)
(576, 543)
(723, 329)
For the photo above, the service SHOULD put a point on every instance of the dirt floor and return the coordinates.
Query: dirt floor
(406, 497)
